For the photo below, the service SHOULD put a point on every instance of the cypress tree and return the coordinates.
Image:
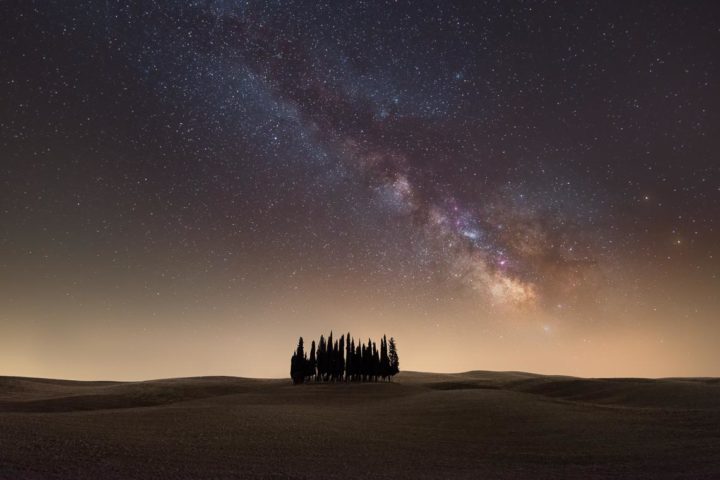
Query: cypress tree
(293, 367)
(369, 359)
(330, 358)
(375, 362)
(301, 348)
(341, 359)
(366, 361)
(357, 363)
(321, 353)
(394, 359)
(298, 363)
(336, 361)
(384, 360)
(305, 368)
(363, 361)
(312, 363)
(349, 351)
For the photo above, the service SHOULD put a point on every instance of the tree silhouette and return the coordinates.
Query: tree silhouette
(335, 362)
(365, 362)
(330, 358)
(349, 351)
(344, 360)
(298, 363)
(375, 358)
(357, 363)
(321, 358)
(394, 359)
(312, 363)
(340, 366)
(384, 359)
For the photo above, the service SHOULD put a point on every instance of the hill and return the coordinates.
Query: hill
(476, 424)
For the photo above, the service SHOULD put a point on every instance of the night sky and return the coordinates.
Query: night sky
(187, 187)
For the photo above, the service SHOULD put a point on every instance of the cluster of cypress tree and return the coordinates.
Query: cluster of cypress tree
(344, 360)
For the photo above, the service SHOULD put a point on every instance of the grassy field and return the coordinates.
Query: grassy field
(496, 425)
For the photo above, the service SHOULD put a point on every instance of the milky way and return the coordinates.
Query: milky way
(493, 242)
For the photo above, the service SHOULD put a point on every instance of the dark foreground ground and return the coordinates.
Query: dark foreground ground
(471, 425)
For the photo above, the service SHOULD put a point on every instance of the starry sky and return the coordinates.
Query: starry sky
(188, 186)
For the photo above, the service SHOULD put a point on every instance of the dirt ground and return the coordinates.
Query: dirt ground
(496, 425)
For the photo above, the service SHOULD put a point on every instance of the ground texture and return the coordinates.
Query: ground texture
(495, 425)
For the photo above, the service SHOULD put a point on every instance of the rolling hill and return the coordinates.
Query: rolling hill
(509, 425)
